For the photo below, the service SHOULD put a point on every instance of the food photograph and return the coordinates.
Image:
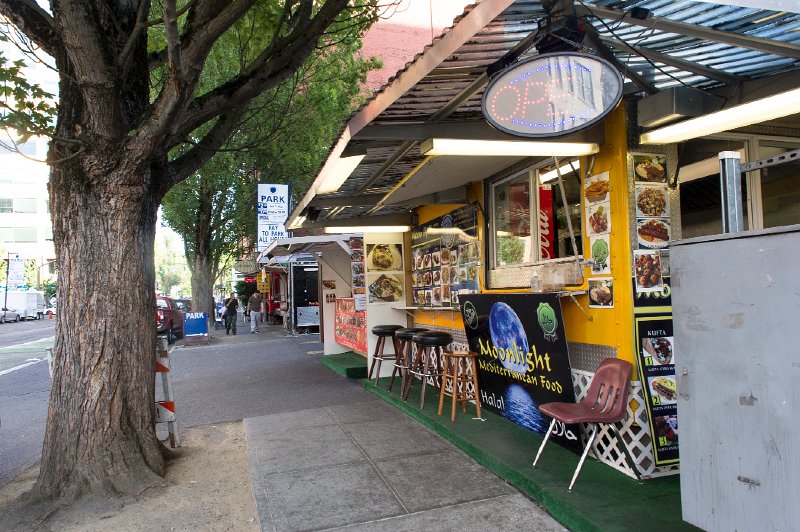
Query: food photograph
(385, 288)
(598, 219)
(419, 297)
(664, 388)
(437, 277)
(384, 257)
(436, 296)
(652, 201)
(650, 168)
(666, 427)
(601, 251)
(601, 293)
(436, 258)
(426, 261)
(427, 279)
(596, 187)
(647, 268)
(445, 255)
(652, 233)
(659, 348)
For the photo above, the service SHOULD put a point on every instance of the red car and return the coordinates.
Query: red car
(169, 319)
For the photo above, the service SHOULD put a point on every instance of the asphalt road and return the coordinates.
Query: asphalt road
(232, 378)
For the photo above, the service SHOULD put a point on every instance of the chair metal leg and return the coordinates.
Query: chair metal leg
(544, 441)
(378, 353)
(398, 359)
(583, 456)
(628, 457)
(425, 371)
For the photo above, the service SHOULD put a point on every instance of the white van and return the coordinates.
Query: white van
(29, 303)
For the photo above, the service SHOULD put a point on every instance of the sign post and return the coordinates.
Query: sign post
(273, 209)
(195, 327)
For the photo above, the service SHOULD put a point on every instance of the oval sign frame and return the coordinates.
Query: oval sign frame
(511, 69)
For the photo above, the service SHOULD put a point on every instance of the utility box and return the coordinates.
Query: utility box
(736, 302)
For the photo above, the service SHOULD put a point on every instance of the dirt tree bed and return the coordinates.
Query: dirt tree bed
(207, 487)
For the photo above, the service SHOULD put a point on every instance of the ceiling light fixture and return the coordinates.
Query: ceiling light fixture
(777, 106)
(564, 169)
(341, 170)
(369, 229)
(506, 148)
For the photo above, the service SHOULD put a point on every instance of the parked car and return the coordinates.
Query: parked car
(169, 318)
(185, 305)
(8, 314)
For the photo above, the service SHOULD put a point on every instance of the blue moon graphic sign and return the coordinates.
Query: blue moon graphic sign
(521, 363)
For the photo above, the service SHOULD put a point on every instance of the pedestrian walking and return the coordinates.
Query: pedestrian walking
(254, 305)
(231, 313)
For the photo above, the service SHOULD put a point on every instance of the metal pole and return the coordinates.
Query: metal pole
(8, 270)
(730, 176)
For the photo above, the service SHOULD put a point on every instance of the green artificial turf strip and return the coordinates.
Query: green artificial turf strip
(602, 498)
(349, 364)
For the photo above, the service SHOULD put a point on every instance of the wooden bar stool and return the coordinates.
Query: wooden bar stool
(427, 360)
(382, 332)
(453, 362)
(405, 354)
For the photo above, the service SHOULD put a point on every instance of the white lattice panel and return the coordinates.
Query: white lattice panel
(635, 431)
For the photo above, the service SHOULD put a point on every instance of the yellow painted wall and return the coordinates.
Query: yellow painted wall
(611, 327)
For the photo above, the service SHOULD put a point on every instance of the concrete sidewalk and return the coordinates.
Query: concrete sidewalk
(325, 453)
(367, 466)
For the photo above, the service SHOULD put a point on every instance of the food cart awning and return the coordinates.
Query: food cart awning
(730, 53)
(307, 245)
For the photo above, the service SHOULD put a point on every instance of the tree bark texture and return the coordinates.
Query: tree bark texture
(100, 436)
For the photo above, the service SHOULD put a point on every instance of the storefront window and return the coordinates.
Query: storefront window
(528, 227)
(512, 207)
(780, 188)
(701, 197)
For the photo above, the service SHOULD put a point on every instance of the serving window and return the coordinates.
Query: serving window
(529, 216)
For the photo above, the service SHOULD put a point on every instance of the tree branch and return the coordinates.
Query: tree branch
(33, 21)
(193, 159)
(274, 65)
(173, 44)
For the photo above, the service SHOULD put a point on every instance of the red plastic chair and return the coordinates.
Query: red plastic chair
(605, 402)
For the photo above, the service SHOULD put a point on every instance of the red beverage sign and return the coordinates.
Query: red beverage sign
(547, 233)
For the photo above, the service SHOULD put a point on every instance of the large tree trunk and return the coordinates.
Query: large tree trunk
(100, 433)
(202, 286)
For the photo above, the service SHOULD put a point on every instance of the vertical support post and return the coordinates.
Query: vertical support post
(730, 175)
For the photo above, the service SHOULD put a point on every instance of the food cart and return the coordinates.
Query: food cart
(536, 195)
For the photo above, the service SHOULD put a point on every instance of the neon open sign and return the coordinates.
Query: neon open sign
(552, 95)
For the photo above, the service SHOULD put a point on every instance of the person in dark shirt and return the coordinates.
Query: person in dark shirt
(231, 313)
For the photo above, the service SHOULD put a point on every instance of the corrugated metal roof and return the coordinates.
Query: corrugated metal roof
(674, 57)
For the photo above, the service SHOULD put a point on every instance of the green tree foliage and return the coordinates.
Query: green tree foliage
(283, 138)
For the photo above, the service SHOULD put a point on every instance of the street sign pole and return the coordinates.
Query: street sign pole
(5, 300)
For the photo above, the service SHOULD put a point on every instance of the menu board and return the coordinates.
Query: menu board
(446, 258)
(385, 277)
(359, 283)
(350, 325)
(657, 370)
(652, 304)
(522, 358)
